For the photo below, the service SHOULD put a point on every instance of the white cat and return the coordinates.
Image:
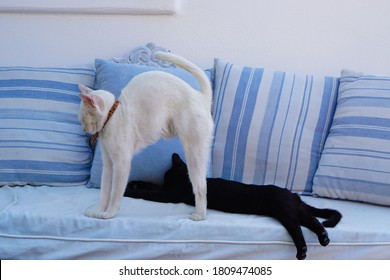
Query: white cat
(153, 105)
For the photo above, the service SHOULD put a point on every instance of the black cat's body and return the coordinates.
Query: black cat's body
(234, 197)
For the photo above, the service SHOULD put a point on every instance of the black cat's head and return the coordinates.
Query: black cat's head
(177, 175)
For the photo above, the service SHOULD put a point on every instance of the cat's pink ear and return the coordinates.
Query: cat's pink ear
(84, 89)
(92, 100)
(88, 99)
(98, 102)
(85, 95)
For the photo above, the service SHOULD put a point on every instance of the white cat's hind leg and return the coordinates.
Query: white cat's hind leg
(197, 157)
(200, 190)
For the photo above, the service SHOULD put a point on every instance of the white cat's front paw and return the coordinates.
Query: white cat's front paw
(99, 214)
(197, 217)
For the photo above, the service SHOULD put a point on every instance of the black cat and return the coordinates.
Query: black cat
(234, 197)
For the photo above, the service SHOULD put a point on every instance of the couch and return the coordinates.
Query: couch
(325, 138)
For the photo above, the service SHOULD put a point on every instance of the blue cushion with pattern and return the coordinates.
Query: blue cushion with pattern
(270, 126)
(41, 138)
(355, 163)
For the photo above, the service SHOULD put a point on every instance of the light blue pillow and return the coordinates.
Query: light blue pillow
(355, 163)
(41, 138)
(270, 126)
(153, 161)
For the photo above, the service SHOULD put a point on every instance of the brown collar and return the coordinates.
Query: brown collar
(94, 137)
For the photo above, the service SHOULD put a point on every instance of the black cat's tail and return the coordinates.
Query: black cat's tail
(332, 216)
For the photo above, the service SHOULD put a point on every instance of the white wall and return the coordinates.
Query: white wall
(306, 36)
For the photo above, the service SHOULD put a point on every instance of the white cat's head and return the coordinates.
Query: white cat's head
(93, 112)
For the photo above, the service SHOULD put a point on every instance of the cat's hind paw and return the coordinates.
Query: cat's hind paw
(324, 239)
(197, 217)
(301, 254)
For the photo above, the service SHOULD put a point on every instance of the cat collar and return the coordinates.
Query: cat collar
(94, 137)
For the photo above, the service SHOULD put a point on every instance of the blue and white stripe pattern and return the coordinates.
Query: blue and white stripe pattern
(355, 163)
(270, 126)
(41, 138)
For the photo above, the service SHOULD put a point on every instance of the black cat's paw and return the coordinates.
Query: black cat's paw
(134, 189)
(324, 239)
(135, 185)
(301, 254)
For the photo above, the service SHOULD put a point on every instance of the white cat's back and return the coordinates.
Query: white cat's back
(155, 89)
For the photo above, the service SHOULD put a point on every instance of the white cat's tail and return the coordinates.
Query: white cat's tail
(204, 82)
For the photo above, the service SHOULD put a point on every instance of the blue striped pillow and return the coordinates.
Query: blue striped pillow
(270, 126)
(355, 163)
(41, 139)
